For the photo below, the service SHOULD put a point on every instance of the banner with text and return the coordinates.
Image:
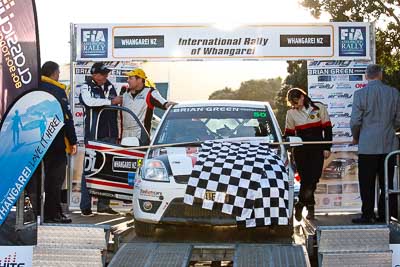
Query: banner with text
(19, 50)
(16, 256)
(208, 42)
(334, 83)
(27, 131)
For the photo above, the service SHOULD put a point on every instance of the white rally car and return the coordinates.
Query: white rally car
(160, 183)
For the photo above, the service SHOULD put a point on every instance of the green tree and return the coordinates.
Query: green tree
(297, 78)
(259, 90)
(226, 93)
(387, 15)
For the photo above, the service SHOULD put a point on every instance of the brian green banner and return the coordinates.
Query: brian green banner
(29, 127)
(172, 42)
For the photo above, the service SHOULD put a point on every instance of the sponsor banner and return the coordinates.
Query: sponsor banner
(27, 131)
(19, 50)
(110, 42)
(18, 256)
(334, 83)
(338, 188)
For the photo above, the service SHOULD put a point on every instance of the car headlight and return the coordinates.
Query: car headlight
(155, 170)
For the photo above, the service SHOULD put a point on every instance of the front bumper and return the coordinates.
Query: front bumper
(181, 213)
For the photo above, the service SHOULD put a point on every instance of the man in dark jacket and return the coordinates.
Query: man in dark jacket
(55, 160)
(95, 93)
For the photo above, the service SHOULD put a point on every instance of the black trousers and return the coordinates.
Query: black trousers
(369, 166)
(309, 162)
(55, 170)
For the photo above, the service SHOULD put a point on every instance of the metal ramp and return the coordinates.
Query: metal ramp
(181, 254)
(359, 245)
(152, 254)
(72, 245)
(270, 255)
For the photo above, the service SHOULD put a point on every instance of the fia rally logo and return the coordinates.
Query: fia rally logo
(94, 43)
(352, 41)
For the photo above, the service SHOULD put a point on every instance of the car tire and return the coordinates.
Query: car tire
(143, 229)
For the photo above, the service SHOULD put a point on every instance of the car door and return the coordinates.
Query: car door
(108, 173)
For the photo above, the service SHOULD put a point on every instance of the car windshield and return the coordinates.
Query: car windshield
(191, 124)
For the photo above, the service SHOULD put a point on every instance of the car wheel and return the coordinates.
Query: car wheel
(143, 229)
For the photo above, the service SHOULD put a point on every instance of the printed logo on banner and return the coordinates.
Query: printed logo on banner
(145, 41)
(124, 164)
(17, 256)
(94, 43)
(352, 41)
(305, 40)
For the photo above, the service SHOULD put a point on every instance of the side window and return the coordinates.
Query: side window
(127, 125)
(106, 128)
(115, 124)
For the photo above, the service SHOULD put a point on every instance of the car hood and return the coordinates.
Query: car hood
(178, 160)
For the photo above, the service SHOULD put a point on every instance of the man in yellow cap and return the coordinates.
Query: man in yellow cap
(141, 97)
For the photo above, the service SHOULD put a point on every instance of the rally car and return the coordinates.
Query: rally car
(161, 181)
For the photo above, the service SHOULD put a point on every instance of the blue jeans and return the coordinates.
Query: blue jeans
(102, 203)
(86, 199)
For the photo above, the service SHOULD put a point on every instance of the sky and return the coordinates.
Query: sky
(188, 80)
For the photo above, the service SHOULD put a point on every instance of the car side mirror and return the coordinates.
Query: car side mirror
(295, 140)
(130, 141)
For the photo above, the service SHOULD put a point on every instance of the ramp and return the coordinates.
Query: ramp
(70, 245)
(152, 254)
(361, 245)
(270, 255)
(181, 254)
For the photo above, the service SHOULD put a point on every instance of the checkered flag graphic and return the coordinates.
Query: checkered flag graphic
(245, 179)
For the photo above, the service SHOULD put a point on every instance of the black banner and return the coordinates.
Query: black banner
(20, 56)
(305, 40)
(148, 41)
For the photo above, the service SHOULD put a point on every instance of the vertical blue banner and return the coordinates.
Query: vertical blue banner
(26, 132)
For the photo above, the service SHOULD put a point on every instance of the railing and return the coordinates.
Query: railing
(396, 185)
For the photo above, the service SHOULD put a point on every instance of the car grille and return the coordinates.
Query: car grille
(177, 209)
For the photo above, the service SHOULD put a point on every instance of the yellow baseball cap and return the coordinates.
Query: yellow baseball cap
(149, 83)
(136, 72)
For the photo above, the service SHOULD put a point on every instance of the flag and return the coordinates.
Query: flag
(242, 179)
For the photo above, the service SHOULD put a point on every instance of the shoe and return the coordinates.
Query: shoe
(298, 211)
(107, 211)
(65, 218)
(363, 220)
(58, 220)
(87, 213)
(310, 214)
